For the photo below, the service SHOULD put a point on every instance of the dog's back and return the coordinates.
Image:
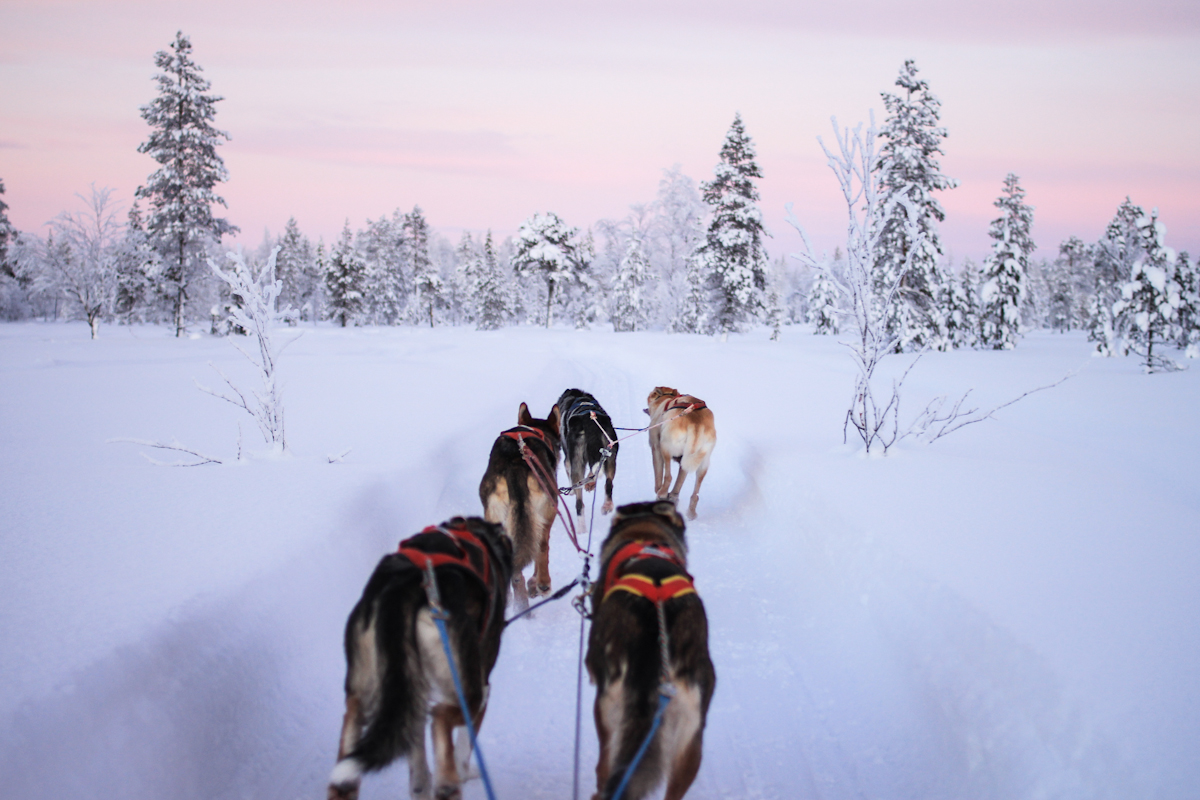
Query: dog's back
(587, 435)
(624, 654)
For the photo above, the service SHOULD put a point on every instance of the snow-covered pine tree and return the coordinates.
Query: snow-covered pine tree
(428, 290)
(732, 257)
(1114, 256)
(383, 248)
(179, 193)
(1065, 274)
(1005, 268)
(1151, 298)
(346, 281)
(823, 311)
(494, 294)
(6, 233)
(295, 269)
(547, 248)
(633, 286)
(909, 174)
(959, 308)
(467, 277)
(1187, 327)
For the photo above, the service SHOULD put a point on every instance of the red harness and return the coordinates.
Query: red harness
(679, 403)
(643, 585)
(522, 432)
(464, 540)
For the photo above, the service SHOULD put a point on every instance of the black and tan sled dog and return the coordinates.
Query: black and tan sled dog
(643, 568)
(396, 668)
(520, 491)
(587, 434)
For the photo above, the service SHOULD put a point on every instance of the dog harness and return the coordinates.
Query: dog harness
(679, 403)
(657, 592)
(523, 432)
(463, 540)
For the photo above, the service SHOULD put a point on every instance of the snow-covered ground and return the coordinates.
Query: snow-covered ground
(1012, 612)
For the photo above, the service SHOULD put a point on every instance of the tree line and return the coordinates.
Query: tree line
(691, 260)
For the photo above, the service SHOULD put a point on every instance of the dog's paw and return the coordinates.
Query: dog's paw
(590, 486)
(448, 791)
(607, 507)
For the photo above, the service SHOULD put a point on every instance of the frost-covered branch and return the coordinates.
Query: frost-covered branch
(175, 446)
(255, 315)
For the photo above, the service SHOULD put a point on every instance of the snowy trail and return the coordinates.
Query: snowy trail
(851, 662)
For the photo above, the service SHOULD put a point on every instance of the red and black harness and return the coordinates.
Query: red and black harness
(679, 404)
(656, 591)
(472, 555)
(546, 478)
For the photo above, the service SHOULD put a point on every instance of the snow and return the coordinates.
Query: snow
(1010, 612)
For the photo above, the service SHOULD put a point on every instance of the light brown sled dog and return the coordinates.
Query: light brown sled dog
(687, 436)
(515, 496)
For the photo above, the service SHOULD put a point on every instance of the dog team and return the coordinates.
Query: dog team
(443, 594)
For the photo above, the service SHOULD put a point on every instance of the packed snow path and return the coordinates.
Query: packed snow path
(1012, 612)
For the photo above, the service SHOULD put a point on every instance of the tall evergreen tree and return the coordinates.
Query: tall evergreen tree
(732, 257)
(387, 262)
(346, 281)
(1187, 330)
(1006, 269)
(546, 247)
(1115, 254)
(823, 310)
(179, 193)
(1066, 275)
(909, 174)
(1150, 300)
(428, 290)
(494, 293)
(632, 287)
(6, 233)
(295, 268)
(960, 308)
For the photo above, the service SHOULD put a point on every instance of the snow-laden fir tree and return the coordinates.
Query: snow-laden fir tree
(494, 294)
(1114, 256)
(384, 251)
(1150, 300)
(824, 313)
(960, 307)
(633, 287)
(138, 265)
(909, 174)
(346, 281)
(1187, 326)
(179, 194)
(296, 269)
(467, 276)
(1064, 277)
(548, 249)
(1005, 268)
(428, 293)
(732, 256)
(6, 232)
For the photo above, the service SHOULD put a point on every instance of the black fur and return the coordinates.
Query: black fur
(387, 690)
(624, 644)
(583, 440)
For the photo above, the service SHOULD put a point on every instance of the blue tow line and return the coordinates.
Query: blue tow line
(663, 699)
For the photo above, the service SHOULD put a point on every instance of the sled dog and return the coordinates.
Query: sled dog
(520, 491)
(643, 567)
(687, 435)
(396, 668)
(585, 440)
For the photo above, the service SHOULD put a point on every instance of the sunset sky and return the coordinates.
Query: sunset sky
(484, 113)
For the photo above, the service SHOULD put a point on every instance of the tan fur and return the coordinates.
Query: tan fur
(687, 437)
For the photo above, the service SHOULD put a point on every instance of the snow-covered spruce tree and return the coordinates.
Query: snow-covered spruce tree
(428, 290)
(909, 171)
(346, 281)
(494, 294)
(384, 252)
(296, 269)
(633, 286)
(732, 257)
(959, 306)
(1114, 256)
(84, 265)
(467, 277)
(547, 248)
(823, 311)
(1005, 268)
(179, 193)
(1187, 327)
(6, 232)
(1150, 300)
(1062, 307)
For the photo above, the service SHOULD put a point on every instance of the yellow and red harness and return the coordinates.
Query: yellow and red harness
(463, 539)
(657, 592)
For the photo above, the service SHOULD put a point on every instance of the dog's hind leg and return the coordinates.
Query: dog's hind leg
(419, 779)
(446, 718)
(462, 742)
(673, 495)
(610, 472)
(684, 768)
(347, 775)
(700, 473)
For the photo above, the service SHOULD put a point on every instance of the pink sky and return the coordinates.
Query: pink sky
(485, 113)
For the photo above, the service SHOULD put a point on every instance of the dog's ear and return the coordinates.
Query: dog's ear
(523, 415)
(554, 420)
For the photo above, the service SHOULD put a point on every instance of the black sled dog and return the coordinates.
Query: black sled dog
(644, 580)
(520, 491)
(396, 668)
(585, 441)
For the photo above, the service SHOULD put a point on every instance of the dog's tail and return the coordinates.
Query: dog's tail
(384, 660)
